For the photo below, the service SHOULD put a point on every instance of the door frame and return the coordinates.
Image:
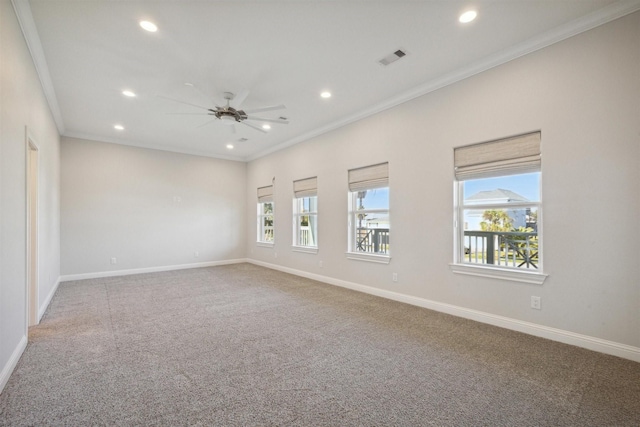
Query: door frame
(32, 152)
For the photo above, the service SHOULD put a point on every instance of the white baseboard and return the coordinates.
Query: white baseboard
(7, 370)
(566, 337)
(47, 301)
(97, 275)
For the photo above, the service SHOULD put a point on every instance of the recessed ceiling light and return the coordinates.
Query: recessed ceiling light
(149, 26)
(266, 127)
(230, 146)
(118, 127)
(468, 16)
(128, 93)
(326, 94)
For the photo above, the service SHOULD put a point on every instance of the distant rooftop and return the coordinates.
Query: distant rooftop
(497, 194)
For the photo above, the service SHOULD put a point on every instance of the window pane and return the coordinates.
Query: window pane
(267, 228)
(307, 231)
(504, 237)
(503, 189)
(312, 204)
(370, 230)
(372, 240)
(378, 198)
(267, 208)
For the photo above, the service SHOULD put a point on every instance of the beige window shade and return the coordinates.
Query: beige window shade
(265, 194)
(508, 156)
(306, 187)
(367, 178)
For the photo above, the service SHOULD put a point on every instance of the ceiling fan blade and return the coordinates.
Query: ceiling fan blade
(206, 123)
(182, 102)
(239, 99)
(189, 114)
(254, 127)
(262, 119)
(203, 93)
(263, 109)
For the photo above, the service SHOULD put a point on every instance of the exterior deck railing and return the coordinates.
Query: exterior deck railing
(372, 240)
(306, 237)
(268, 234)
(510, 249)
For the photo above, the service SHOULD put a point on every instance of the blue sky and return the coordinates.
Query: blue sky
(377, 199)
(527, 185)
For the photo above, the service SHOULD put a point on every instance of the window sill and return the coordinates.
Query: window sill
(359, 256)
(304, 249)
(499, 273)
(264, 244)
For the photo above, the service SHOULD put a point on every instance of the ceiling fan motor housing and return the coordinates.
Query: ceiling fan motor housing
(230, 113)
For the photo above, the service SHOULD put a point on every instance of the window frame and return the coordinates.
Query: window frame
(297, 214)
(353, 211)
(517, 274)
(260, 224)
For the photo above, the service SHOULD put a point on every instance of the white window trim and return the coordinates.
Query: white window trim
(504, 273)
(260, 217)
(296, 227)
(491, 271)
(265, 244)
(363, 256)
(305, 249)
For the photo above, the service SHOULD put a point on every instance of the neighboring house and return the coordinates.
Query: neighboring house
(376, 221)
(519, 217)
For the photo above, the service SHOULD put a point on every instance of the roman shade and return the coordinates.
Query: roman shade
(369, 177)
(306, 187)
(508, 156)
(265, 194)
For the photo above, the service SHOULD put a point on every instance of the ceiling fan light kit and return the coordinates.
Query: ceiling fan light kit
(231, 114)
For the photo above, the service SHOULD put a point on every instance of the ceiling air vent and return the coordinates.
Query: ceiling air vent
(242, 140)
(393, 57)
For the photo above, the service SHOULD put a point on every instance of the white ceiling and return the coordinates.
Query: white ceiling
(282, 52)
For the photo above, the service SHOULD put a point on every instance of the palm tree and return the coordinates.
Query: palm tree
(496, 220)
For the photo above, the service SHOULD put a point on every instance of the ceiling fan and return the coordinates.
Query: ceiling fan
(232, 113)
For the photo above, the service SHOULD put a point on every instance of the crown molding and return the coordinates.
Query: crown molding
(607, 14)
(600, 17)
(28, 26)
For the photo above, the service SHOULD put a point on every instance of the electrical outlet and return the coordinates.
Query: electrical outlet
(114, 261)
(320, 264)
(395, 277)
(196, 254)
(535, 303)
(275, 254)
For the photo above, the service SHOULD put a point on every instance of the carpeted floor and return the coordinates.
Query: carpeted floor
(242, 345)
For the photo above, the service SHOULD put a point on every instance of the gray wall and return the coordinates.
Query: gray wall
(584, 95)
(147, 208)
(22, 104)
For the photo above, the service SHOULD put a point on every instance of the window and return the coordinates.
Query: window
(499, 204)
(305, 213)
(369, 211)
(265, 214)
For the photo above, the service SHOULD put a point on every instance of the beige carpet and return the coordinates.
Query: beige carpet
(242, 345)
